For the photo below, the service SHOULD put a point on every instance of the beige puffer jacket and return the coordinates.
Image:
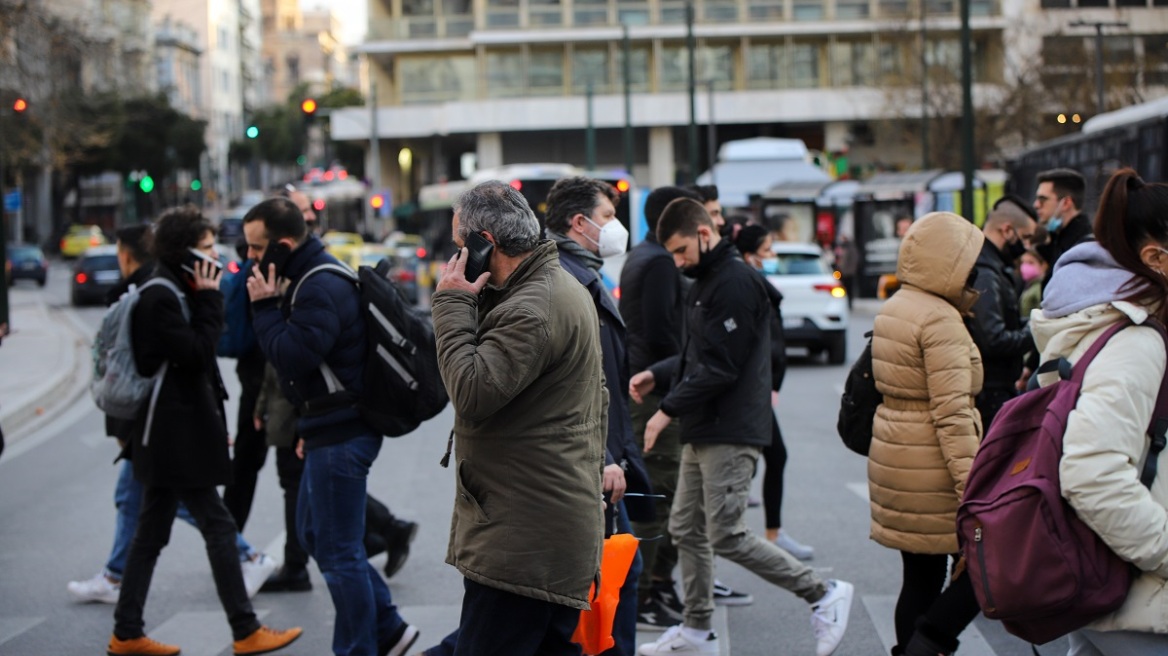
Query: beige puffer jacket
(926, 365)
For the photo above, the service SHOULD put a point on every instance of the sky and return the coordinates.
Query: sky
(353, 15)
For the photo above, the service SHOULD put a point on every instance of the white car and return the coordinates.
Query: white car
(815, 305)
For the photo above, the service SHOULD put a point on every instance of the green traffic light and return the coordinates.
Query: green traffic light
(196, 185)
(252, 132)
(146, 184)
(300, 161)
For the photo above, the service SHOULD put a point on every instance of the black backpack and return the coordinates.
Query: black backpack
(858, 403)
(403, 386)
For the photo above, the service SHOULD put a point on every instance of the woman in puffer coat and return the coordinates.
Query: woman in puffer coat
(927, 430)
(1120, 277)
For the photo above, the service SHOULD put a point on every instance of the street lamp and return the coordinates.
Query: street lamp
(1100, 100)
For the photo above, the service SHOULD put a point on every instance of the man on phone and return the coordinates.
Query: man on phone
(317, 335)
(519, 351)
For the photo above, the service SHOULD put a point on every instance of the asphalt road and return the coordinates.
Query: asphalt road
(56, 524)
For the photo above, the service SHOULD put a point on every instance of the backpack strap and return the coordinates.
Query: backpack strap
(338, 269)
(1158, 430)
(335, 387)
(167, 283)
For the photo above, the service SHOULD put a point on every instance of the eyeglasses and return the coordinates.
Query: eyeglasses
(1042, 200)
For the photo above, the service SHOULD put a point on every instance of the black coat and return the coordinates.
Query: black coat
(651, 304)
(620, 447)
(996, 325)
(114, 427)
(778, 338)
(186, 446)
(721, 387)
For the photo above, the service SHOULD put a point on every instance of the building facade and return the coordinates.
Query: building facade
(508, 80)
(302, 48)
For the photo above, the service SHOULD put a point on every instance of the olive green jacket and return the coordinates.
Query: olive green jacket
(523, 367)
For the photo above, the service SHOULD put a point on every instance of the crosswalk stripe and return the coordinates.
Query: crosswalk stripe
(881, 609)
(10, 627)
(859, 489)
(198, 633)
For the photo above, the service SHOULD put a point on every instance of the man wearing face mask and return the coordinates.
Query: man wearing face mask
(1058, 201)
(581, 219)
(996, 325)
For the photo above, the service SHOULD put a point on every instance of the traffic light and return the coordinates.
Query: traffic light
(146, 184)
(19, 105)
(318, 205)
(196, 185)
(377, 201)
(252, 132)
(308, 107)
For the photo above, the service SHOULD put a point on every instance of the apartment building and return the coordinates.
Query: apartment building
(302, 47)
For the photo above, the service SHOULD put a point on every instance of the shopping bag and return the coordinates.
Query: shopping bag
(594, 632)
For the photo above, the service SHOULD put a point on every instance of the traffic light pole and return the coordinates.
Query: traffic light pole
(4, 319)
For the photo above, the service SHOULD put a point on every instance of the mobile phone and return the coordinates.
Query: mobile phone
(276, 253)
(478, 255)
(194, 257)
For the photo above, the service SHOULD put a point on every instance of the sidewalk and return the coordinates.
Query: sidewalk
(43, 362)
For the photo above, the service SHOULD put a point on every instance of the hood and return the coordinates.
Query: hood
(1059, 337)
(1084, 276)
(937, 255)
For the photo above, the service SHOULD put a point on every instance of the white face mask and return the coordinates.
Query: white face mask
(614, 238)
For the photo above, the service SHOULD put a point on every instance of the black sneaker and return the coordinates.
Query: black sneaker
(397, 539)
(651, 616)
(666, 594)
(288, 579)
(401, 641)
(724, 595)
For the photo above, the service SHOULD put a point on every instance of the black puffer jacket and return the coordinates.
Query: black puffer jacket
(722, 381)
(651, 304)
(996, 325)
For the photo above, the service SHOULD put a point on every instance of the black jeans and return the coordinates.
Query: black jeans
(290, 469)
(944, 615)
(498, 623)
(159, 507)
(775, 457)
(251, 447)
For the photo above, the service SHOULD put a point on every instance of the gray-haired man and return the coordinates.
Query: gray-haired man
(519, 351)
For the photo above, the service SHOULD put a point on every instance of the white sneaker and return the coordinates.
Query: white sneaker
(794, 547)
(674, 641)
(829, 616)
(256, 571)
(98, 588)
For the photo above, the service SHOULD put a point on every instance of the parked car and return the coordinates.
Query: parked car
(95, 273)
(343, 245)
(815, 305)
(27, 262)
(80, 238)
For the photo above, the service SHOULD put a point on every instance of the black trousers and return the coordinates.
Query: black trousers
(943, 615)
(290, 469)
(989, 402)
(159, 507)
(498, 623)
(775, 457)
(251, 447)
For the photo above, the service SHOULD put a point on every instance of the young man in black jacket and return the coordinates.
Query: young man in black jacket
(996, 324)
(720, 389)
(1059, 203)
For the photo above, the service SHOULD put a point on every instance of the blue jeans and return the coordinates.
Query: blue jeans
(128, 499)
(331, 521)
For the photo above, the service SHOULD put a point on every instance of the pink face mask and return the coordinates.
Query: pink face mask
(1030, 271)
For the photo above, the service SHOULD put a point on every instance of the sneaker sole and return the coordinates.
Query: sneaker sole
(405, 643)
(845, 613)
(734, 601)
(270, 649)
(643, 626)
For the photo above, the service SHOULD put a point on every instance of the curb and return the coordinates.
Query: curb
(59, 389)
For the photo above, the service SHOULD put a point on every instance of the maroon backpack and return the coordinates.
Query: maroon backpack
(1033, 563)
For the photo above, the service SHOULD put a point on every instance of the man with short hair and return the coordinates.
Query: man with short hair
(519, 350)
(581, 219)
(1059, 202)
(708, 194)
(314, 337)
(720, 388)
(996, 324)
(304, 204)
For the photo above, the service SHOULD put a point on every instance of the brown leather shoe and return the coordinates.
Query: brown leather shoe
(140, 647)
(265, 640)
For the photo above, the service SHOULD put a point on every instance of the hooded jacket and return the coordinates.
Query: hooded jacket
(1106, 443)
(996, 325)
(927, 430)
(524, 369)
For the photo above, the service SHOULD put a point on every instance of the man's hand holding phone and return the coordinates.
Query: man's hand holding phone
(260, 286)
(455, 276)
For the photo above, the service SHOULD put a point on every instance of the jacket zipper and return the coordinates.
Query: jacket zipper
(985, 579)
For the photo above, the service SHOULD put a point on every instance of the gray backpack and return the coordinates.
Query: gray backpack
(117, 387)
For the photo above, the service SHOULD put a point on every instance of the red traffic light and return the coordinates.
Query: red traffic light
(20, 105)
(308, 106)
(318, 204)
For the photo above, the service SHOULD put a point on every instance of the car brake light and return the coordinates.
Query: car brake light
(94, 241)
(836, 289)
(233, 266)
(62, 244)
(407, 276)
(82, 278)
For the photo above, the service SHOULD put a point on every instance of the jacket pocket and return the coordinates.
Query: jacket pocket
(466, 500)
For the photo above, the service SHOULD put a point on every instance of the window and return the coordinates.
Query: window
(590, 65)
(590, 12)
(672, 12)
(1063, 50)
(632, 12)
(1131, 3)
(1094, 3)
(674, 67)
(893, 8)
(804, 71)
(427, 79)
(716, 62)
(1056, 4)
(545, 71)
(851, 64)
(638, 68)
(504, 73)
(503, 13)
(808, 10)
(765, 64)
(417, 7)
(720, 11)
(764, 10)
(852, 9)
(544, 12)
(293, 62)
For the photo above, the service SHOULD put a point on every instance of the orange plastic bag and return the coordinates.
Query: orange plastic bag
(594, 632)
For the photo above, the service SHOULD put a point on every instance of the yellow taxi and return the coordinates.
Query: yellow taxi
(80, 238)
(344, 246)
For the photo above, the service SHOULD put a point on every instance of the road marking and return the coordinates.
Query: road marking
(10, 627)
(859, 489)
(198, 633)
(882, 608)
